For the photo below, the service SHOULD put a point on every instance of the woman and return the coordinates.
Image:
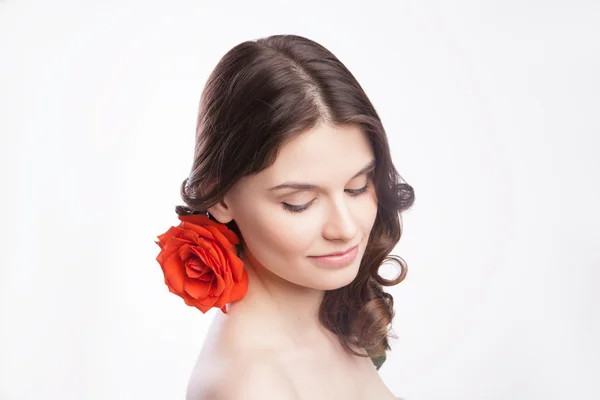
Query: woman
(291, 164)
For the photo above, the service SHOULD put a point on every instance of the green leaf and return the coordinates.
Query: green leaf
(378, 361)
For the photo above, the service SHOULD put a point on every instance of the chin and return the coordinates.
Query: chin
(335, 279)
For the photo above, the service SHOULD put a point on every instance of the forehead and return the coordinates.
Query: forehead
(320, 155)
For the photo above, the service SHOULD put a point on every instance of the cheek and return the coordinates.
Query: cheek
(277, 235)
(368, 212)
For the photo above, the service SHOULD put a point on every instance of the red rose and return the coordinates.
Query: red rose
(200, 263)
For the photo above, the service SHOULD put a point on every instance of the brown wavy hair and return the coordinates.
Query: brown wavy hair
(262, 94)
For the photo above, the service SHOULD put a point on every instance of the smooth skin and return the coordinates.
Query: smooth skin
(271, 344)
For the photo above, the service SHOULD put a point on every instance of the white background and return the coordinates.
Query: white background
(492, 111)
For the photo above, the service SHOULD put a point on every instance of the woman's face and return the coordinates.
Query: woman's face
(282, 227)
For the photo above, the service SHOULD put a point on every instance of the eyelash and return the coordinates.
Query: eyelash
(299, 209)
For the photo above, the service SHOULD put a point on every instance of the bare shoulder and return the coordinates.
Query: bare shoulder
(258, 380)
(245, 380)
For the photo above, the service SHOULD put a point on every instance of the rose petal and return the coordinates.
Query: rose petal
(195, 269)
(236, 265)
(234, 292)
(186, 252)
(172, 231)
(202, 221)
(217, 259)
(199, 230)
(196, 289)
(190, 236)
(206, 303)
(218, 285)
(172, 245)
(202, 255)
(227, 286)
(224, 231)
(222, 239)
(173, 271)
(198, 220)
(240, 289)
(194, 273)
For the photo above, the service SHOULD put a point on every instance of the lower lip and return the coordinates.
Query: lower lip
(339, 260)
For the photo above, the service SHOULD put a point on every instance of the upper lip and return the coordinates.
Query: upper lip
(338, 253)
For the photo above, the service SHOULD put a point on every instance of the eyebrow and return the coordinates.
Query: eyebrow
(307, 186)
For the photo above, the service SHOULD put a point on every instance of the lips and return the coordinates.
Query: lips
(339, 253)
(337, 261)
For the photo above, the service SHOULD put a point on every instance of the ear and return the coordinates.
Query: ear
(221, 212)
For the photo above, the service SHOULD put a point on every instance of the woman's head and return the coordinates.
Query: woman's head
(284, 110)
(283, 226)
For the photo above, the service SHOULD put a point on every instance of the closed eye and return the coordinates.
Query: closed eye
(352, 192)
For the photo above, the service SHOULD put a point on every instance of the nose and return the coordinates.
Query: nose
(341, 223)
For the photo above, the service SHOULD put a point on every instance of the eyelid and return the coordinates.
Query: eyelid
(368, 169)
(313, 190)
(296, 209)
(368, 174)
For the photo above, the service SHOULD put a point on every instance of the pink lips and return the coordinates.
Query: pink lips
(339, 260)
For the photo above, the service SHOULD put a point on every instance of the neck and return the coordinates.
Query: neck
(279, 305)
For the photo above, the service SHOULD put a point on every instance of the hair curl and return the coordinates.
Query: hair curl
(265, 92)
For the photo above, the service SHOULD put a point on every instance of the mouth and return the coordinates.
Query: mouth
(337, 254)
(338, 259)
